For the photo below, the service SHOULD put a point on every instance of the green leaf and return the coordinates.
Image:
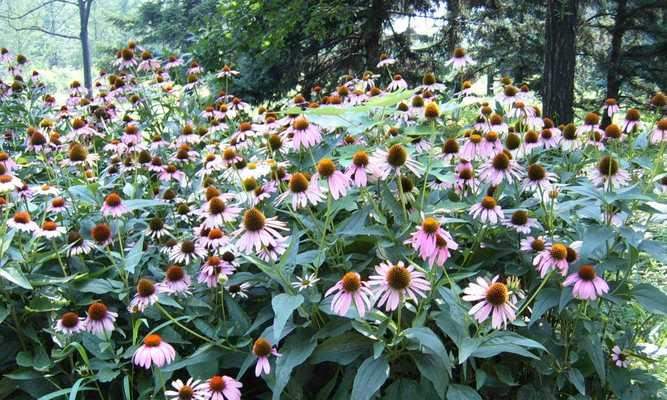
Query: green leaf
(431, 343)
(434, 369)
(283, 306)
(133, 258)
(653, 299)
(99, 286)
(296, 349)
(593, 348)
(595, 238)
(655, 249)
(577, 379)
(371, 375)
(140, 204)
(548, 298)
(16, 277)
(468, 346)
(341, 349)
(462, 392)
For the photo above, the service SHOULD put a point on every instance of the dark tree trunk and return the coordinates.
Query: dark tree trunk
(560, 59)
(84, 16)
(376, 15)
(452, 35)
(614, 62)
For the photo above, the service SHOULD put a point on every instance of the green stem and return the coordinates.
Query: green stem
(544, 282)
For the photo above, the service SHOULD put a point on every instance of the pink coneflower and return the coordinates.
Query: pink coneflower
(424, 239)
(222, 388)
(273, 252)
(115, 146)
(212, 269)
(36, 141)
(78, 155)
(156, 228)
(394, 282)
(549, 138)
(188, 135)
(99, 319)
(357, 97)
(487, 210)
(659, 134)
(301, 191)
(81, 129)
(337, 182)
(50, 230)
(215, 239)
(350, 288)
(145, 297)
(70, 323)
(631, 121)
(500, 167)
(176, 280)
(217, 213)
(465, 180)
(173, 62)
(190, 390)
(610, 107)
(7, 162)
(384, 162)
(497, 124)
(537, 178)
(77, 244)
(227, 73)
(494, 299)
(421, 144)
(608, 173)
(257, 231)
(459, 59)
(131, 134)
(508, 96)
(385, 61)
(472, 147)
(263, 349)
(9, 183)
(491, 145)
(552, 257)
(520, 110)
(587, 285)
(619, 358)
(113, 206)
(591, 124)
(154, 351)
(263, 192)
(442, 251)
(186, 252)
(397, 83)
(22, 221)
(239, 105)
(304, 135)
(533, 244)
(520, 222)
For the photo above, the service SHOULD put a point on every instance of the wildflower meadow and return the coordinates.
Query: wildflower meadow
(372, 237)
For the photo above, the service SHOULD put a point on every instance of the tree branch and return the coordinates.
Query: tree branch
(46, 3)
(40, 29)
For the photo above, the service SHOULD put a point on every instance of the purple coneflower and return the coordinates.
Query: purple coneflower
(70, 323)
(553, 257)
(520, 222)
(190, 390)
(176, 280)
(394, 282)
(610, 107)
(262, 350)
(222, 388)
(301, 191)
(154, 351)
(113, 206)
(424, 239)
(460, 59)
(257, 231)
(587, 284)
(217, 213)
(22, 221)
(304, 135)
(350, 288)
(619, 358)
(337, 182)
(99, 319)
(186, 252)
(397, 83)
(145, 297)
(659, 134)
(537, 178)
(50, 230)
(494, 299)
(631, 121)
(608, 173)
(487, 210)
(500, 167)
(384, 162)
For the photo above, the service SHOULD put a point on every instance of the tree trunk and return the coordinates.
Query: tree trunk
(84, 16)
(452, 36)
(560, 59)
(614, 62)
(376, 15)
